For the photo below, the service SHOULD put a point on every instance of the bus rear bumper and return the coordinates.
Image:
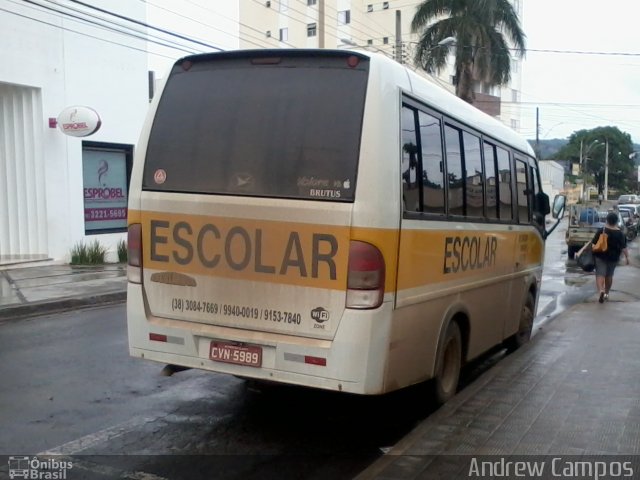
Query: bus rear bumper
(342, 364)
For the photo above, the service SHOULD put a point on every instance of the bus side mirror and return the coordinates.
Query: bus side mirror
(559, 205)
(542, 203)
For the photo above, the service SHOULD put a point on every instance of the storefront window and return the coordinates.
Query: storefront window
(106, 169)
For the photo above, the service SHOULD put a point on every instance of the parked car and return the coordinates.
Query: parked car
(634, 211)
(584, 222)
(629, 221)
(630, 198)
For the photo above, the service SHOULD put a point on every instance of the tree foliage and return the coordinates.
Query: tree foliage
(481, 28)
(587, 148)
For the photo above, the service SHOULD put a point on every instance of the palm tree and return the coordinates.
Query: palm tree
(481, 49)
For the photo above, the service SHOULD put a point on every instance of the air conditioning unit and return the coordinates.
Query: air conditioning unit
(268, 4)
(268, 33)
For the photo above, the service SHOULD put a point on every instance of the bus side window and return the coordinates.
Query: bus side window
(491, 188)
(410, 177)
(505, 195)
(523, 191)
(454, 170)
(432, 164)
(474, 176)
(541, 205)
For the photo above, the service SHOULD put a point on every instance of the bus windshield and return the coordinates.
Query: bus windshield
(289, 128)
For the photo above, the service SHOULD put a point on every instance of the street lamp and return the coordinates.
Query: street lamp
(584, 156)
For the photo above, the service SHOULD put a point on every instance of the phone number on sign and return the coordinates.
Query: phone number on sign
(105, 213)
(229, 310)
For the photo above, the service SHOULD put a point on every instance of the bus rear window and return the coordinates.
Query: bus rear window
(288, 129)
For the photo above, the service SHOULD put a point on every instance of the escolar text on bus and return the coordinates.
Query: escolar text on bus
(296, 257)
(469, 253)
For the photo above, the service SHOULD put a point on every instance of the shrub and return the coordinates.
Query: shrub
(96, 253)
(79, 255)
(92, 254)
(122, 251)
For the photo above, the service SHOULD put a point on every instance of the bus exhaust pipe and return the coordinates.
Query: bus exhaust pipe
(169, 370)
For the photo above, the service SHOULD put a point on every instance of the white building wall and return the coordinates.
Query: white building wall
(60, 62)
(552, 177)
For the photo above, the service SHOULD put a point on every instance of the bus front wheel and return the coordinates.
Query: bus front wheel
(448, 364)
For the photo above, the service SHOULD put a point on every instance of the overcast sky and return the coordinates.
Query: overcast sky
(578, 91)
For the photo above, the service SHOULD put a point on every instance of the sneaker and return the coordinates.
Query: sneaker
(601, 299)
(606, 297)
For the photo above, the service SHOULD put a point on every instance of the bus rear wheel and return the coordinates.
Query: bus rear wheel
(523, 335)
(448, 364)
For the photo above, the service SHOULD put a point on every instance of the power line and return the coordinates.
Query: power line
(580, 52)
(146, 25)
(82, 33)
(141, 35)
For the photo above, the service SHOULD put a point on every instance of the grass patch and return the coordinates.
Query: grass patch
(91, 254)
(79, 255)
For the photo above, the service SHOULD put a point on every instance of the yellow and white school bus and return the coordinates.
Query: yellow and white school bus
(328, 218)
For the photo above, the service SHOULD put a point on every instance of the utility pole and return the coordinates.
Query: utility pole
(321, 24)
(606, 169)
(398, 36)
(538, 132)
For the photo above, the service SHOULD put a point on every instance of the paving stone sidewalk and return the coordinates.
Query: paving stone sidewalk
(573, 390)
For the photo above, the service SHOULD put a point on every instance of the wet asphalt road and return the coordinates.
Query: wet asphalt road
(69, 388)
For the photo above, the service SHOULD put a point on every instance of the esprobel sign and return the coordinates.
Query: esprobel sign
(79, 121)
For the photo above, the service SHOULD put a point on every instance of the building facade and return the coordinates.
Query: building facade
(382, 26)
(552, 175)
(57, 190)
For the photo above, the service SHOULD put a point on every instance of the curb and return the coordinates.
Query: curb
(15, 312)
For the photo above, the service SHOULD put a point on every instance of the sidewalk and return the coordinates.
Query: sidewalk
(573, 390)
(27, 290)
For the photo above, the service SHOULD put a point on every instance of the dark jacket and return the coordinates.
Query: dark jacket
(616, 242)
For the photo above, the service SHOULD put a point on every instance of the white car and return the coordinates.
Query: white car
(624, 199)
(634, 210)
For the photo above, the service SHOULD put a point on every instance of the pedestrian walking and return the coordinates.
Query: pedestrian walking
(607, 260)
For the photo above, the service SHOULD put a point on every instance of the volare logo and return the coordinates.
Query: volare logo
(320, 315)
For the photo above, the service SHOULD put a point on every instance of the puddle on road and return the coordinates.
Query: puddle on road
(576, 281)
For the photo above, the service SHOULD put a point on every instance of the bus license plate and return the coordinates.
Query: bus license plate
(250, 356)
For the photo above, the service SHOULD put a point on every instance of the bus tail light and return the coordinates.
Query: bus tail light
(134, 253)
(365, 280)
